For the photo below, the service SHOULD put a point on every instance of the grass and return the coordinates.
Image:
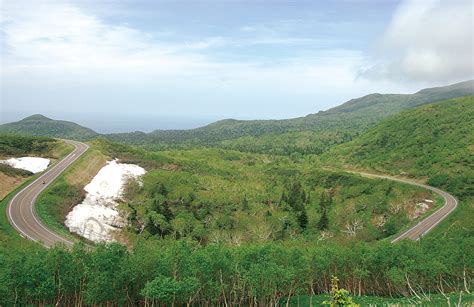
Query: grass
(61, 150)
(81, 172)
(434, 300)
(7, 183)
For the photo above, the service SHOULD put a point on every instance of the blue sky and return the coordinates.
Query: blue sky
(144, 65)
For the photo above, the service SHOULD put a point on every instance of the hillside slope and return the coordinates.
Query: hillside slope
(39, 125)
(434, 141)
(346, 120)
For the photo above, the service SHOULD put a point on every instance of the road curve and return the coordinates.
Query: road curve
(20, 210)
(426, 225)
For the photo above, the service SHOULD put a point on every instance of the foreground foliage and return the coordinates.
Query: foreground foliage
(339, 297)
(183, 272)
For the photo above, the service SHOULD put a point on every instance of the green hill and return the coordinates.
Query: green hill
(323, 129)
(39, 125)
(314, 133)
(435, 141)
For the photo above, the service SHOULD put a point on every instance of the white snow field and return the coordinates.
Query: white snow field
(32, 164)
(96, 218)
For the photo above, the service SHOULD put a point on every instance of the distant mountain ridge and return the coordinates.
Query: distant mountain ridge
(405, 101)
(351, 117)
(348, 120)
(40, 125)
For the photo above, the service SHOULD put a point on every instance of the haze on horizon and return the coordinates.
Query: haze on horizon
(118, 66)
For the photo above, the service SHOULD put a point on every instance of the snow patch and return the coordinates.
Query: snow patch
(96, 218)
(32, 164)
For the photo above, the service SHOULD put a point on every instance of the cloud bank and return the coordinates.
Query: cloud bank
(428, 41)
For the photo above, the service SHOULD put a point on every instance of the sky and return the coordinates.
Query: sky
(119, 66)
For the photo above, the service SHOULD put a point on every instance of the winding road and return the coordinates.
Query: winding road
(424, 226)
(21, 212)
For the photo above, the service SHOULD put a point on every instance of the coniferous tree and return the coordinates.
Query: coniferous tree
(323, 223)
(296, 196)
(303, 219)
(324, 203)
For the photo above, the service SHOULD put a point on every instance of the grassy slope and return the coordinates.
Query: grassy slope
(14, 145)
(433, 143)
(427, 142)
(422, 142)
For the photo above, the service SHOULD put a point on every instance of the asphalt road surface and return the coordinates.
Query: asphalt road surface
(20, 210)
(426, 225)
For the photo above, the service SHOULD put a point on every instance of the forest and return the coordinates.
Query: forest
(183, 272)
(15, 145)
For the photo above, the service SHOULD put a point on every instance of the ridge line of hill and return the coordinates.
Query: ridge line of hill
(348, 119)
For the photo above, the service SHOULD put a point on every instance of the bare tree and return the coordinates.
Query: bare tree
(353, 227)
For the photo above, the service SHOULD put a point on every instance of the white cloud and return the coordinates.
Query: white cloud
(57, 37)
(56, 55)
(427, 41)
(60, 36)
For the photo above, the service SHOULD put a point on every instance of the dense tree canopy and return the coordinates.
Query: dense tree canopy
(183, 272)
